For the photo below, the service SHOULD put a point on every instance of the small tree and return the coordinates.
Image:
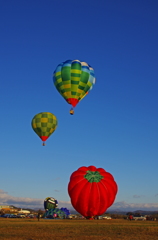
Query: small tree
(2, 212)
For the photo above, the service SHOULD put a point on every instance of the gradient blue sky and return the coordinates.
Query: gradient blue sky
(114, 127)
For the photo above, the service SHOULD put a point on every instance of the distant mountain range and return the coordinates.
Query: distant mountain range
(110, 211)
(141, 212)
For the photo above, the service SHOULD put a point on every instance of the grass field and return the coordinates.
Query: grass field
(31, 229)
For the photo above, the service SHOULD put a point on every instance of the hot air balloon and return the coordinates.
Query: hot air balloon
(92, 190)
(73, 80)
(50, 203)
(44, 124)
(67, 212)
(57, 213)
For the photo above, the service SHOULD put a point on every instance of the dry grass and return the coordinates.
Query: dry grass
(31, 229)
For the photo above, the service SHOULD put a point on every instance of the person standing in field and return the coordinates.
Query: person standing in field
(38, 216)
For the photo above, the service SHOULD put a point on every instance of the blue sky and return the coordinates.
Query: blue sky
(114, 127)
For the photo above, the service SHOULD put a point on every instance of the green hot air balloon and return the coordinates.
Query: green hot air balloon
(73, 80)
(50, 203)
(44, 124)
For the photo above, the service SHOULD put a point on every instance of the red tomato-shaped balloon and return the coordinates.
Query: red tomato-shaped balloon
(92, 190)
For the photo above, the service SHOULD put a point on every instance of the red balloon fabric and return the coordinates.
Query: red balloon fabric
(92, 190)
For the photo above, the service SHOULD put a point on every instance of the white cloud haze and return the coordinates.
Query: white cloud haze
(34, 203)
(123, 206)
(21, 202)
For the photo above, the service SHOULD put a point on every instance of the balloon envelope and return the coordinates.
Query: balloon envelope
(50, 203)
(56, 213)
(44, 124)
(92, 190)
(73, 80)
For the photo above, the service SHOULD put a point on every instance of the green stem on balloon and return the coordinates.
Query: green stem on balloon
(92, 176)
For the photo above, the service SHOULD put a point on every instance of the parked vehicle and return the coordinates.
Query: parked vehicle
(6, 215)
(107, 217)
(31, 216)
(139, 218)
(21, 216)
(13, 216)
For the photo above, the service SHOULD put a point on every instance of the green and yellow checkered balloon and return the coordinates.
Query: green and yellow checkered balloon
(44, 124)
(73, 80)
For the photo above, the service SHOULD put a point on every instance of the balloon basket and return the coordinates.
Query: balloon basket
(71, 111)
